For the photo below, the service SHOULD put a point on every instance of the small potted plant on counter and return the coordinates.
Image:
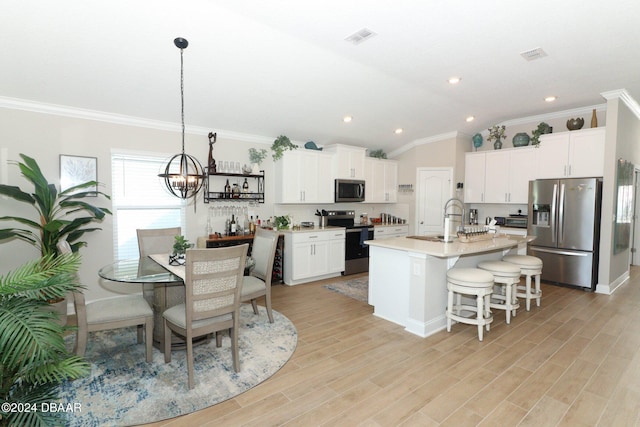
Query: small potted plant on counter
(180, 246)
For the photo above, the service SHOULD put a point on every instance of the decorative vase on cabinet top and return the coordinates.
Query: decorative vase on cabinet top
(520, 139)
(497, 145)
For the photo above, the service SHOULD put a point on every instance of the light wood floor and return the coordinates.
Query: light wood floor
(574, 361)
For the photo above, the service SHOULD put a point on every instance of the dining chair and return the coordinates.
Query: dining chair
(213, 282)
(113, 313)
(159, 241)
(258, 283)
(156, 240)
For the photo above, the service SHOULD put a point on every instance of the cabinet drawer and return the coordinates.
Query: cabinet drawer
(317, 236)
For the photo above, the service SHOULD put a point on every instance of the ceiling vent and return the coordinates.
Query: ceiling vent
(360, 36)
(532, 54)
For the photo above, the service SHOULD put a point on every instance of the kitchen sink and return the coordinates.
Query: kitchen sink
(439, 239)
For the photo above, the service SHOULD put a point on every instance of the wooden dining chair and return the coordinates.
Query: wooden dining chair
(213, 282)
(258, 283)
(113, 313)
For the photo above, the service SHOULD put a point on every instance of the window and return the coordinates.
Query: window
(140, 200)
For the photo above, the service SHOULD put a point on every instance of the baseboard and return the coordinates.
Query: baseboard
(613, 286)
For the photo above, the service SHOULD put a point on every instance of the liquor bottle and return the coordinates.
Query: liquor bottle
(227, 190)
(245, 189)
(234, 226)
(252, 226)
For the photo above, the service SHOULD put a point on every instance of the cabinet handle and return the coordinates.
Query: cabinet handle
(569, 170)
(506, 197)
(565, 170)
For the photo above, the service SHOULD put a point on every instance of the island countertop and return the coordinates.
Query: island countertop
(452, 249)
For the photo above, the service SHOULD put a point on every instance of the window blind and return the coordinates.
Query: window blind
(140, 200)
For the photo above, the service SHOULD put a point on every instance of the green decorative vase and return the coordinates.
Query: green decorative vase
(520, 139)
(497, 145)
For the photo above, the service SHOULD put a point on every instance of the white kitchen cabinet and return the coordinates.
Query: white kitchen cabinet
(389, 231)
(313, 255)
(348, 161)
(572, 154)
(301, 177)
(381, 180)
(507, 175)
(474, 171)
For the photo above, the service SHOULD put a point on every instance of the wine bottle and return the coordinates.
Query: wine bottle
(234, 226)
(227, 190)
(245, 189)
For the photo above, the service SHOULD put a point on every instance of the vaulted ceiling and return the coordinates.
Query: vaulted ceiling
(284, 67)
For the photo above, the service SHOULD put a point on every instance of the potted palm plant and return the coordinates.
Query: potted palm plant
(33, 357)
(56, 213)
(53, 210)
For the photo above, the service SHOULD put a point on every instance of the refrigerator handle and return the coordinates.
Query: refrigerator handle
(553, 213)
(561, 216)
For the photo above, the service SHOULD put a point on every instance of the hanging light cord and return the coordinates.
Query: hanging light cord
(182, 93)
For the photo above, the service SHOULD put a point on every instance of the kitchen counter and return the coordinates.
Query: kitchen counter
(448, 250)
(312, 229)
(408, 277)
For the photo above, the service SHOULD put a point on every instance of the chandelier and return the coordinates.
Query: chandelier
(183, 175)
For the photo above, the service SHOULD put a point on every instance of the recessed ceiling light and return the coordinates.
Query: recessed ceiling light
(470, 118)
(399, 131)
(347, 119)
(454, 80)
(550, 98)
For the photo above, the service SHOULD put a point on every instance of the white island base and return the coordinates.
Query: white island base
(408, 277)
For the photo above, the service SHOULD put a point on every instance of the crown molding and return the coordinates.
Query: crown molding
(555, 115)
(120, 119)
(625, 97)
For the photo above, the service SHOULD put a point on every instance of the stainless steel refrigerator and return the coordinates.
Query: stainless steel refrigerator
(564, 216)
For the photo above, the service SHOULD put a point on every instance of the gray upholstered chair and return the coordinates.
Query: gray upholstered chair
(258, 283)
(156, 240)
(213, 282)
(114, 313)
(159, 241)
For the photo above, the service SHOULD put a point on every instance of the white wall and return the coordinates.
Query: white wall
(45, 136)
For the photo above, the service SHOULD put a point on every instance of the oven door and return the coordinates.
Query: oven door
(354, 245)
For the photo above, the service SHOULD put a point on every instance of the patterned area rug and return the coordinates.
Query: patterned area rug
(123, 389)
(353, 288)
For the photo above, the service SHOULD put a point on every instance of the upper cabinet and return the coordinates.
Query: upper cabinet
(500, 176)
(348, 161)
(301, 177)
(572, 154)
(381, 180)
(507, 175)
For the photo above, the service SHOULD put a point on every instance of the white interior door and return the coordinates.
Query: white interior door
(434, 188)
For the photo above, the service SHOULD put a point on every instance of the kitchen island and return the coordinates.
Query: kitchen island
(408, 276)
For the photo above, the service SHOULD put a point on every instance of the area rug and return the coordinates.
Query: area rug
(353, 288)
(123, 389)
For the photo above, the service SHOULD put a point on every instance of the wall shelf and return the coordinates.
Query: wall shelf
(214, 181)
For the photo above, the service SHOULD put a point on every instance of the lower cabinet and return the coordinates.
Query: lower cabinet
(313, 255)
(387, 232)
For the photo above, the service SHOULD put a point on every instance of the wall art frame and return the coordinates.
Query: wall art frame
(75, 170)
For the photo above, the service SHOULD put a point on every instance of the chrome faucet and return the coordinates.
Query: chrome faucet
(454, 202)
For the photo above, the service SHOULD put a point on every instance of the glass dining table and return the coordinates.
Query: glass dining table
(161, 288)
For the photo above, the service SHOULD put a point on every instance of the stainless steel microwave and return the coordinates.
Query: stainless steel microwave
(349, 190)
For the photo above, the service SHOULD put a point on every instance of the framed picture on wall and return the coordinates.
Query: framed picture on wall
(76, 170)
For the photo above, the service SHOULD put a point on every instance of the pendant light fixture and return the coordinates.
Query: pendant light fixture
(183, 175)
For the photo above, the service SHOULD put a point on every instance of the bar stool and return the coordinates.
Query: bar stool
(469, 281)
(506, 277)
(529, 266)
